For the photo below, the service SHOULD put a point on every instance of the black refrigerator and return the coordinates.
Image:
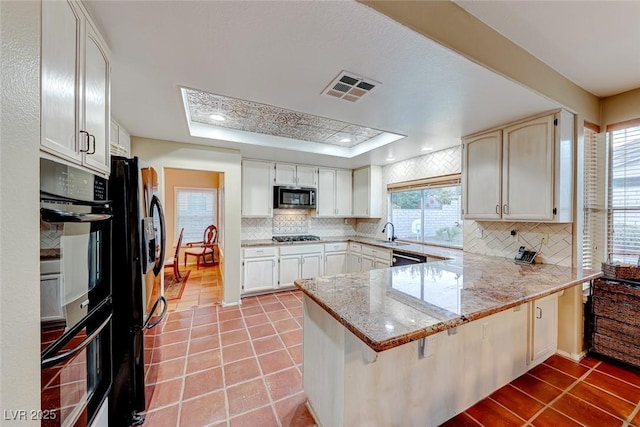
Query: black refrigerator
(138, 306)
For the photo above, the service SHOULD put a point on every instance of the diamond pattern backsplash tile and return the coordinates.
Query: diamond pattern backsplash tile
(256, 228)
(292, 222)
(496, 240)
(297, 223)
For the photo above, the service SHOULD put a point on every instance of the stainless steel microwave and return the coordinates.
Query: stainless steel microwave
(294, 198)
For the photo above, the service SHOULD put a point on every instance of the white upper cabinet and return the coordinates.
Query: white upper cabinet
(527, 170)
(334, 193)
(295, 175)
(367, 192)
(75, 110)
(119, 140)
(257, 191)
(522, 172)
(483, 171)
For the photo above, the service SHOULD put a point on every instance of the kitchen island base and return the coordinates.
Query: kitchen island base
(348, 384)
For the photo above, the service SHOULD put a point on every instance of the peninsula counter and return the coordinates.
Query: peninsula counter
(415, 345)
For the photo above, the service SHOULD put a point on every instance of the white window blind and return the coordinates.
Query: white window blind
(594, 209)
(196, 209)
(623, 222)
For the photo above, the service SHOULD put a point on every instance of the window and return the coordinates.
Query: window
(427, 210)
(196, 209)
(623, 213)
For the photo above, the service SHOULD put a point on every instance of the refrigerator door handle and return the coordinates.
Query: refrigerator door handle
(46, 363)
(148, 324)
(155, 202)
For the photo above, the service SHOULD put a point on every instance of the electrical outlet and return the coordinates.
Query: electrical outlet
(544, 239)
(479, 233)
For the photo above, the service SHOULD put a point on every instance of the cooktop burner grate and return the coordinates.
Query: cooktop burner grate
(297, 238)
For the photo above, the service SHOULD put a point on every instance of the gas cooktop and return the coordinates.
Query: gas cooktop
(298, 238)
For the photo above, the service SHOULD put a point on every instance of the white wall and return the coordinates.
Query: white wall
(168, 154)
(19, 209)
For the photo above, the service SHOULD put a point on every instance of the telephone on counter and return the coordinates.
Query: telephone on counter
(525, 257)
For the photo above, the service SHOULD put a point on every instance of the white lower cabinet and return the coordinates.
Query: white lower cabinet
(355, 257)
(300, 262)
(259, 269)
(544, 328)
(335, 258)
(374, 258)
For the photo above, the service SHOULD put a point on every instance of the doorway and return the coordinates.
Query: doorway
(194, 200)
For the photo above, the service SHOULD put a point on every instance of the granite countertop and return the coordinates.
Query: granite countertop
(437, 252)
(389, 307)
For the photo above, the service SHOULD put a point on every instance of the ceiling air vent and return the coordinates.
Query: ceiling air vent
(349, 86)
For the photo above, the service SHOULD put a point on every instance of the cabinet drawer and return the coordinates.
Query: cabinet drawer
(260, 252)
(375, 252)
(335, 247)
(300, 249)
(355, 247)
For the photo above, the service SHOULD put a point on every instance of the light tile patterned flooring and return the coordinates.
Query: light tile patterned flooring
(243, 367)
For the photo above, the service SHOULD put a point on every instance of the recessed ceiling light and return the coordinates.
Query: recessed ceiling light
(345, 140)
(427, 148)
(217, 117)
(390, 159)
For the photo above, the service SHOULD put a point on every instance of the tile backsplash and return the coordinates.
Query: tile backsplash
(494, 238)
(296, 222)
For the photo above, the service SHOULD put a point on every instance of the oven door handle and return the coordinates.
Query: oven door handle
(150, 325)
(55, 215)
(46, 363)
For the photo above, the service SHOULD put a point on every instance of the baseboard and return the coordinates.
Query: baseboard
(231, 304)
(574, 356)
(312, 412)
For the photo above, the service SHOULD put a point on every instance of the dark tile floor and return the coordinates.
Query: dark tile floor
(243, 367)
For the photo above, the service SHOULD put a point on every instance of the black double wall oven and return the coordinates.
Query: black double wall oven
(75, 298)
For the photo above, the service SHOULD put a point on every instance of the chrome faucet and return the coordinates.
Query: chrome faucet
(393, 229)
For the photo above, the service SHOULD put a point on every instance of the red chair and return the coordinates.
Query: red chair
(203, 248)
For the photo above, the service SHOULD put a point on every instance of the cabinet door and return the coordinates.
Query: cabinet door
(482, 176)
(355, 263)
(285, 174)
(381, 263)
(289, 269)
(306, 176)
(113, 133)
(527, 170)
(361, 192)
(311, 266)
(545, 324)
(124, 140)
(61, 25)
(257, 191)
(259, 274)
(96, 101)
(335, 263)
(368, 263)
(343, 193)
(326, 193)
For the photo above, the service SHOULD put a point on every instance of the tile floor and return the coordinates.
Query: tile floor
(219, 366)
(243, 367)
